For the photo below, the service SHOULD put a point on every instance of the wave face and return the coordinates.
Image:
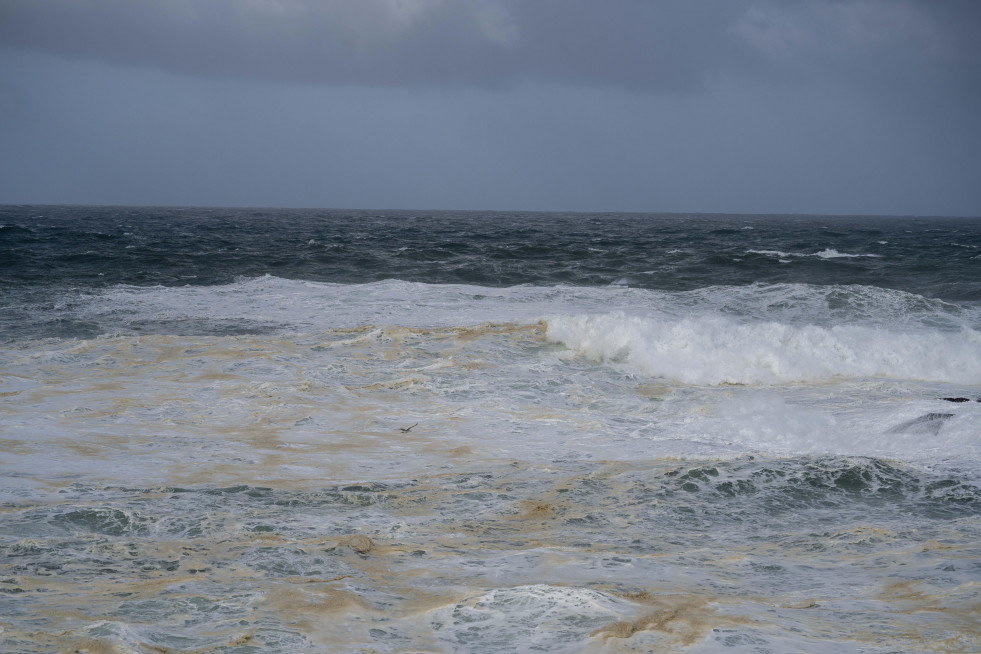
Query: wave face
(244, 430)
(718, 350)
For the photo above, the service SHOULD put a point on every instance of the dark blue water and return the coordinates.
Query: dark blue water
(101, 246)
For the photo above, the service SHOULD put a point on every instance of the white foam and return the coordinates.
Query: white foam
(826, 421)
(827, 253)
(775, 253)
(713, 349)
(349, 364)
(831, 253)
(530, 618)
(303, 306)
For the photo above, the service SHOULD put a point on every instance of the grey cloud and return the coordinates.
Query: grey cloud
(721, 105)
(864, 40)
(668, 45)
(391, 42)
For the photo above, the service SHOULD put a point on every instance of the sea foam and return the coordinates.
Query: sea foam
(713, 349)
(827, 253)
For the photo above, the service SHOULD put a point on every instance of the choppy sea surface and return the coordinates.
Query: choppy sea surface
(306, 431)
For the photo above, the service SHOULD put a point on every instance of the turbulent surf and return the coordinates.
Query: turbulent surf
(304, 431)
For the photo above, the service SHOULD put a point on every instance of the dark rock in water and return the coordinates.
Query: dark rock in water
(958, 399)
(929, 423)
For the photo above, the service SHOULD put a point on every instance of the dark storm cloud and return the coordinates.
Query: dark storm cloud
(833, 106)
(666, 45)
(388, 42)
(876, 44)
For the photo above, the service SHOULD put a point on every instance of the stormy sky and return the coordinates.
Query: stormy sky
(749, 106)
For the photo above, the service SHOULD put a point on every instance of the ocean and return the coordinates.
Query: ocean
(252, 430)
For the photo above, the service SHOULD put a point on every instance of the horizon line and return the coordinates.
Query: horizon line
(535, 211)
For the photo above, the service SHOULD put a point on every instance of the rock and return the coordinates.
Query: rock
(929, 423)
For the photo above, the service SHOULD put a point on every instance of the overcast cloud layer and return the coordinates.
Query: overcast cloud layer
(868, 106)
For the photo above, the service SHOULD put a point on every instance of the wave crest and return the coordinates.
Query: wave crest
(712, 349)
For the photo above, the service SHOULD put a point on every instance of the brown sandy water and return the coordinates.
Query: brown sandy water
(266, 493)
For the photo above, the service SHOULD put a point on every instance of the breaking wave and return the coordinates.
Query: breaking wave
(715, 349)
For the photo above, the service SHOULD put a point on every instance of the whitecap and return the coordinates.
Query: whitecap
(529, 618)
(717, 350)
